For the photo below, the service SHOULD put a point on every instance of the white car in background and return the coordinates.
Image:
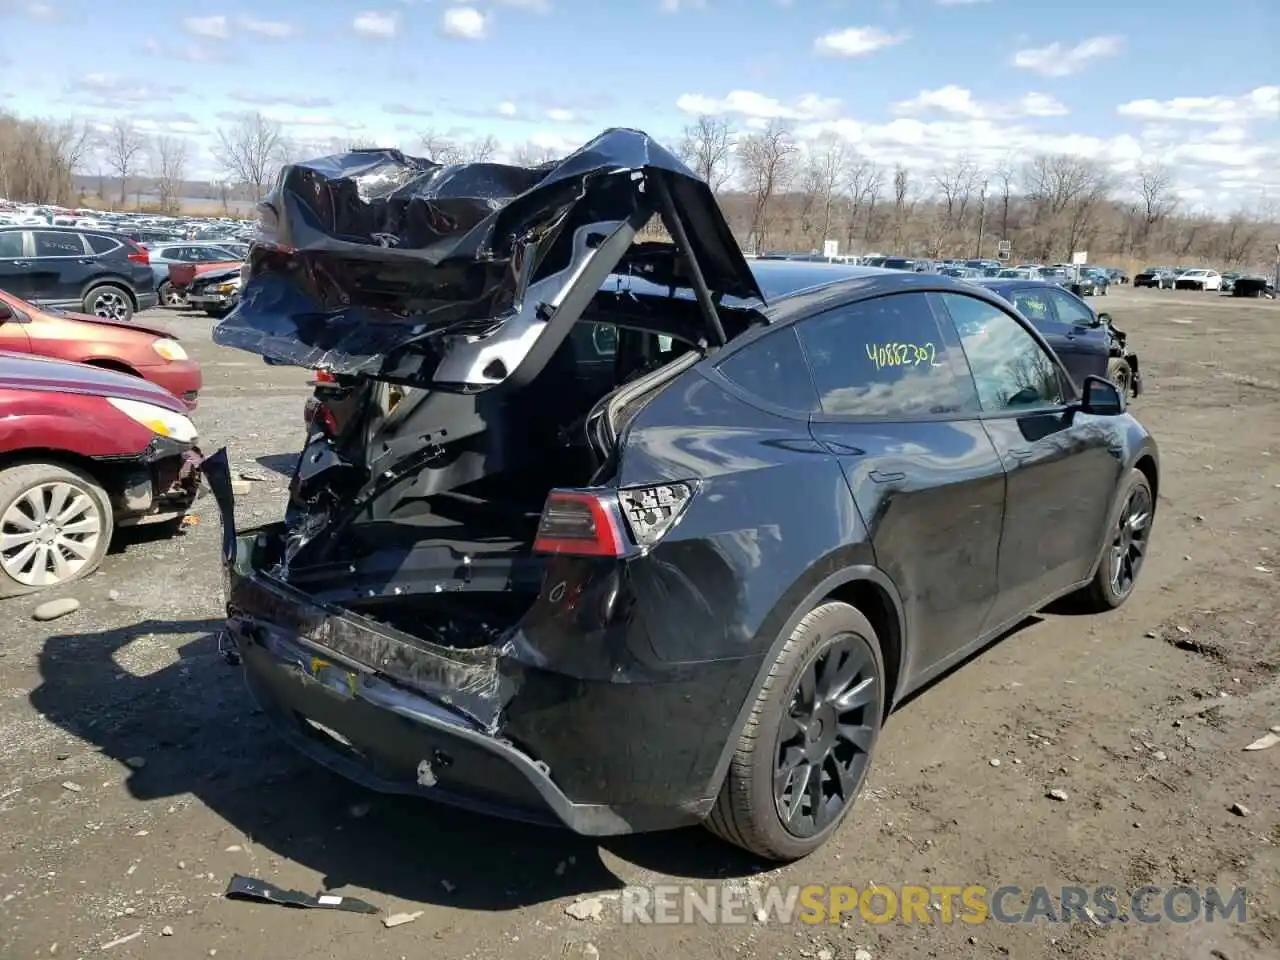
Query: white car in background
(1199, 279)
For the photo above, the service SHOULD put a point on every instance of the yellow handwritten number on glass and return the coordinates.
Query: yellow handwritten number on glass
(902, 355)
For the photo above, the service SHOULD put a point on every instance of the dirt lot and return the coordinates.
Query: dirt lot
(135, 778)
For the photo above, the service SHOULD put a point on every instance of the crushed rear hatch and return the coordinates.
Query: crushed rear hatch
(466, 276)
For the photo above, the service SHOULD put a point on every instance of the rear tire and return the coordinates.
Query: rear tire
(818, 715)
(33, 544)
(110, 302)
(171, 296)
(1128, 537)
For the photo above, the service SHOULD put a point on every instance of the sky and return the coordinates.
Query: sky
(918, 82)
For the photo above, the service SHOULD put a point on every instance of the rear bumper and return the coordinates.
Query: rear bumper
(147, 300)
(492, 729)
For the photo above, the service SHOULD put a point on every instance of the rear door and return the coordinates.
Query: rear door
(900, 413)
(61, 266)
(15, 263)
(1063, 466)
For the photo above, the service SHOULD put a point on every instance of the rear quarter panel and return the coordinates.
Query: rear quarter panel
(772, 517)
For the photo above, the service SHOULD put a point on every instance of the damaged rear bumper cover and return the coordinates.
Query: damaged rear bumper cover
(390, 711)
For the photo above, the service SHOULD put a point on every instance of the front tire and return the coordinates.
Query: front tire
(55, 527)
(803, 756)
(1126, 549)
(1119, 373)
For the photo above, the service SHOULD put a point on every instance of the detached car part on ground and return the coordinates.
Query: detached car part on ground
(578, 541)
(83, 451)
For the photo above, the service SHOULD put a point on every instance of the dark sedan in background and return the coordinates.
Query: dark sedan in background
(1159, 278)
(1092, 282)
(1087, 342)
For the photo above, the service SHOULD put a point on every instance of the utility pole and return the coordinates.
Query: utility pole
(982, 219)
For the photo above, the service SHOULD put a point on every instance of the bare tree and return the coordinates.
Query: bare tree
(1155, 185)
(1063, 192)
(482, 150)
(768, 167)
(124, 144)
(440, 147)
(1005, 174)
(902, 205)
(168, 156)
(251, 151)
(707, 147)
(39, 158)
(863, 181)
(823, 176)
(533, 155)
(955, 183)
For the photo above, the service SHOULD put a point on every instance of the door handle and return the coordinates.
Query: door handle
(1019, 453)
(21, 263)
(881, 476)
(87, 261)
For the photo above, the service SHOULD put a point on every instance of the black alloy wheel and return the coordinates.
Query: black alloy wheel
(1129, 544)
(825, 739)
(801, 758)
(1128, 538)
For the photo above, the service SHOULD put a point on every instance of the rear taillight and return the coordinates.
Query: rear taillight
(581, 524)
(138, 254)
(607, 523)
(322, 378)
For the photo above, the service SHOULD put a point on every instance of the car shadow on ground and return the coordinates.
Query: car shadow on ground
(200, 733)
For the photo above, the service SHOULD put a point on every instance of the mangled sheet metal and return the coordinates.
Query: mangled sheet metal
(377, 263)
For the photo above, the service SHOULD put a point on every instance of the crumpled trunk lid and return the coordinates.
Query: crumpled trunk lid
(467, 276)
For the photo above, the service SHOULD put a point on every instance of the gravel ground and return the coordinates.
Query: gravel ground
(135, 777)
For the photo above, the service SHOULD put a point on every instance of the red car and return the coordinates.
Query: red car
(82, 451)
(129, 347)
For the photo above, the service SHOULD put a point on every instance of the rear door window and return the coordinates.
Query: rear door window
(99, 243)
(1034, 305)
(50, 244)
(773, 369)
(887, 357)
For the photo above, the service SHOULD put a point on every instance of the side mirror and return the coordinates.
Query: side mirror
(1104, 318)
(1102, 398)
(6, 312)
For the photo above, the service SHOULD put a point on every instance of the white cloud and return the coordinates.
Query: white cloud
(675, 6)
(466, 23)
(508, 109)
(533, 6)
(375, 25)
(212, 28)
(560, 115)
(41, 11)
(273, 29)
(855, 42)
(960, 102)
(1260, 104)
(757, 106)
(1057, 60)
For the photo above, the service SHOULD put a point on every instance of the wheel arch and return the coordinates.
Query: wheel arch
(99, 471)
(110, 363)
(865, 587)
